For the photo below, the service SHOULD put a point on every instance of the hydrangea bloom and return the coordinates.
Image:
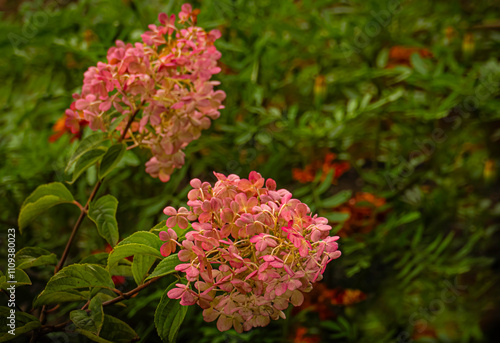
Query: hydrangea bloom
(163, 84)
(252, 251)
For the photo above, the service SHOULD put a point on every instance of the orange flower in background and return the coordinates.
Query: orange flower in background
(347, 297)
(301, 336)
(322, 299)
(363, 213)
(400, 55)
(309, 172)
(60, 129)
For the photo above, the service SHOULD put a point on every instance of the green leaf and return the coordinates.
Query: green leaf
(32, 257)
(169, 315)
(165, 267)
(103, 213)
(419, 64)
(117, 331)
(21, 278)
(86, 160)
(55, 188)
(60, 297)
(336, 200)
(99, 258)
(78, 276)
(327, 182)
(43, 198)
(87, 144)
(92, 336)
(111, 159)
(337, 216)
(143, 237)
(141, 266)
(382, 58)
(89, 321)
(24, 323)
(132, 249)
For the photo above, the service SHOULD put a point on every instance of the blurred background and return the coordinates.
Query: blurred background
(383, 117)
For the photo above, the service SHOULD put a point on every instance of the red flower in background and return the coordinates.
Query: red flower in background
(400, 55)
(325, 166)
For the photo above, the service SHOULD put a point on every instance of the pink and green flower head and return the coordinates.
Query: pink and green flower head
(163, 84)
(253, 250)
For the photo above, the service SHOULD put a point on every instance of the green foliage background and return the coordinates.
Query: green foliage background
(425, 136)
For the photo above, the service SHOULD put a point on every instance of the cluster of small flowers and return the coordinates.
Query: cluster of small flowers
(252, 251)
(167, 79)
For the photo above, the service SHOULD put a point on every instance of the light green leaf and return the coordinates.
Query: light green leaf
(24, 323)
(86, 160)
(43, 198)
(141, 266)
(337, 216)
(111, 159)
(336, 200)
(103, 213)
(169, 316)
(132, 249)
(419, 64)
(55, 188)
(327, 182)
(382, 58)
(87, 144)
(165, 267)
(32, 257)
(143, 237)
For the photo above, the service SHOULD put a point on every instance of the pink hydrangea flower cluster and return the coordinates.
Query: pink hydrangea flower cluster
(163, 84)
(253, 250)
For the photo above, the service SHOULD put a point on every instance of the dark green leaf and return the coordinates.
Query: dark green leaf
(89, 321)
(32, 257)
(21, 278)
(23, 323)
(111, 159)
(60, 297)
(169, 315)
(87, 144)
(86, 160)
(117, 331)
(78, 276)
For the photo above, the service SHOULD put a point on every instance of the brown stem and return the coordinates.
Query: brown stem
(130, 122)
(83, 213)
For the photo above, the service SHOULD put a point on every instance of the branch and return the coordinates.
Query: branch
(60, 327)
